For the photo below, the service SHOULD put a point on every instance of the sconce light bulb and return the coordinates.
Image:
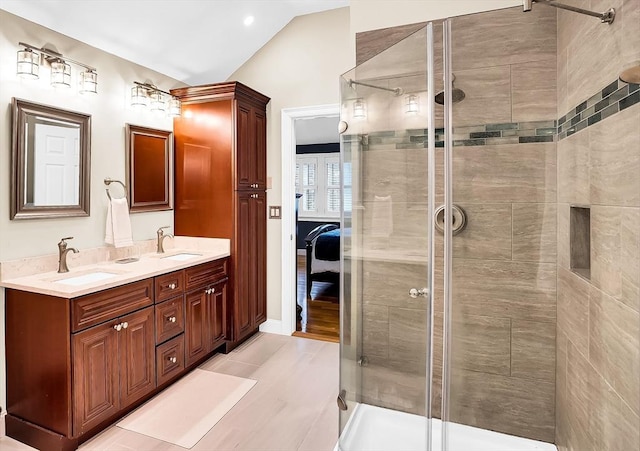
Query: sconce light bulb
(88, 82)
(359, 109)
(28, 64)
(60, 74)
(412, 104)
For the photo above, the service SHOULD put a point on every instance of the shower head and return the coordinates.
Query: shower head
(457, 95)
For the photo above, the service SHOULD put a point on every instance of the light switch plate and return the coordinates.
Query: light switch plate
(274, 211)
(269, 183)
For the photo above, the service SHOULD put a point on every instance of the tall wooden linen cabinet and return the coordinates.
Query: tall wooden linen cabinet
(220, 183)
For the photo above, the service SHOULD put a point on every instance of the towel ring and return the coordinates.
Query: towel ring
(108, 181)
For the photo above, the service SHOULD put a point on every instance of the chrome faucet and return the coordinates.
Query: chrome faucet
(62, 254)
(161, 237)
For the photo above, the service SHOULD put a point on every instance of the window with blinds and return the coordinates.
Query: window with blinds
(318, 180)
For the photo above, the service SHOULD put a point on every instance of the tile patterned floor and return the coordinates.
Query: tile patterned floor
(291, 408)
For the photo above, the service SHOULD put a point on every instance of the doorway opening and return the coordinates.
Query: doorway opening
(318, 194)
(311, 186)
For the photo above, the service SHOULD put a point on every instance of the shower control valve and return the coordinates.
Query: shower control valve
(414, 292)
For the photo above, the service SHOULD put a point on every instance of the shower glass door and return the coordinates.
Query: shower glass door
(500, 265)
(388, 155)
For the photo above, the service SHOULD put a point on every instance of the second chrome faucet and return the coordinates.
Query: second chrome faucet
(161, 237)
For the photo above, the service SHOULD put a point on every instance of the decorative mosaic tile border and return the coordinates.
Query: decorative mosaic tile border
(477, 135)
(612, 99)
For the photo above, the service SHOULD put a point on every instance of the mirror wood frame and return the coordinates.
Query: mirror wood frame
(148, 173)
(19, 209)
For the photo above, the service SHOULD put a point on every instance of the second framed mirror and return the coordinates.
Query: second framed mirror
(149, 168)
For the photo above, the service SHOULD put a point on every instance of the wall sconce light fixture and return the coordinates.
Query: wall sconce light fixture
(145, 94)
(412, 104)
(30, 58)
(359, 109)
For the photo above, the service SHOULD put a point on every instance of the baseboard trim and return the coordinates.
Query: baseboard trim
(272, 326)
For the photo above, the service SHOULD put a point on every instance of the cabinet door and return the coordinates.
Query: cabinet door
(244, 148)
(196, 330)
(259, 259)
(217, 311)
(259, 157)
(137, 356)
(244, 274)
(95, 376)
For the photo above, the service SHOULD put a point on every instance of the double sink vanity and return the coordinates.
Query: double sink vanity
(87, 346)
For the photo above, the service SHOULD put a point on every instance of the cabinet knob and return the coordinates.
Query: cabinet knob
(172, 286)
(125, 325)
(171, 319)
(118, 327)
(213, 290)
(207, 291)
(172, 359)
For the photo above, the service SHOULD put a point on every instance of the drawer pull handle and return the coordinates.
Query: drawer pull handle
(172, 359)
(171, 319)
(118, 327)
(125, 325)
(172, 286)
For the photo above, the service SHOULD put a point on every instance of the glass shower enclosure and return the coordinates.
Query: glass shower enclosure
(449, 247)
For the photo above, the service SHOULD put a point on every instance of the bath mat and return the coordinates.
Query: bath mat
(186, 411)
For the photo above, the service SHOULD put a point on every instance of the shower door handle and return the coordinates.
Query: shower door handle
(414, 292)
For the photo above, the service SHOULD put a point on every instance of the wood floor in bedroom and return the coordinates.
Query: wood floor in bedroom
(321, 313)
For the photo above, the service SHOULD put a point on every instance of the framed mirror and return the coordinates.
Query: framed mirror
(50, 162)
(149, 168)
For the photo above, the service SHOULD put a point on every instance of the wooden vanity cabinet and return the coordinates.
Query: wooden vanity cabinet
(206, 310)
(114, 365)
(220, 190)
(76, 365)
(73, 364)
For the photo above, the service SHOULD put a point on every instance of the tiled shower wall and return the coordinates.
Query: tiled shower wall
(505, 330)
(504, 262)
(598, 345)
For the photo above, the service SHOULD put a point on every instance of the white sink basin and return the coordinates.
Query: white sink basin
(182, 256)
(86, 278)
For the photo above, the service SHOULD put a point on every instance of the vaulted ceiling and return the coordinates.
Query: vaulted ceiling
(195, 41)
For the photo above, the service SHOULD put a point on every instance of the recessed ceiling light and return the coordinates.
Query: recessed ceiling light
(248, 20)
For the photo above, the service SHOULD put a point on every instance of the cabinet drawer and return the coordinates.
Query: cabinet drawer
(105, 305)
(169, 285)
(169, 319)
(170, 359)
(206, 273)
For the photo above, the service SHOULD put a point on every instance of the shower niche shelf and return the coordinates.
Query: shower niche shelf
(580, 240)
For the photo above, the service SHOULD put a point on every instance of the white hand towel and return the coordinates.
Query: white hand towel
(118, 229)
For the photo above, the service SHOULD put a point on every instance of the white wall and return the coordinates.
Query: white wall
(300, 66)
(109, 112)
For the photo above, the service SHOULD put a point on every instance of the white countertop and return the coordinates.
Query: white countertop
(148, 265)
